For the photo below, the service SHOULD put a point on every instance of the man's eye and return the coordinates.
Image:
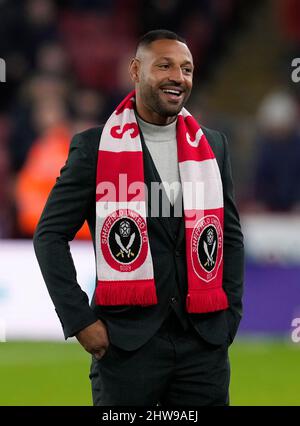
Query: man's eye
(187, 70)
(164, 66)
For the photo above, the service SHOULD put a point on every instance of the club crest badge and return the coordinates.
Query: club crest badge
(124, 241)
(207, 243)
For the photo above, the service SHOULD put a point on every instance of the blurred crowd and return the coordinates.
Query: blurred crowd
(66, 71)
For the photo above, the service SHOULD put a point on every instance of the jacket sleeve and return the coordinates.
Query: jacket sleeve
(233, 273)
(65, 211)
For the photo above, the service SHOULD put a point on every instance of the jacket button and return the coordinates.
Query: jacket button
(173, 300)
(178, 253)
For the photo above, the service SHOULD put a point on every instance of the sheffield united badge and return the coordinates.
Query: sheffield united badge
(207, 242)
(124, 240)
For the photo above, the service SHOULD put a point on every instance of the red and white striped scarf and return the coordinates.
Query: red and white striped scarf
(123, 255)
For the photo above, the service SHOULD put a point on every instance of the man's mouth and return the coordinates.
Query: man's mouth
(173, 94)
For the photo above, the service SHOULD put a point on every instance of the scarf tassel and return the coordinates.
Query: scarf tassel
(135, 292)
(205, 301)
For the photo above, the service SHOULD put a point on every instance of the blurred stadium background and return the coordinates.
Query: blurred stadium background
(66, 69)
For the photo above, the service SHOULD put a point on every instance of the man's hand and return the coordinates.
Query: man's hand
(94, 339)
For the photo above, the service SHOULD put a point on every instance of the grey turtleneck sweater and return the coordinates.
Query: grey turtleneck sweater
(162, 145)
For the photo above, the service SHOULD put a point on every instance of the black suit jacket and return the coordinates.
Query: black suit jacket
(72, 201)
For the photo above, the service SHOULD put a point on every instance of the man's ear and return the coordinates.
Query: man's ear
(134, 70)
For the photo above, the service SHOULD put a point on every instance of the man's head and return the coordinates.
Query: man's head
(162, 72)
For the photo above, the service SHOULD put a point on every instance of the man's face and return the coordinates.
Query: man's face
(163, 75)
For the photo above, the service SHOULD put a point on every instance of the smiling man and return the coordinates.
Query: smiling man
(168, 294)
(163, 75)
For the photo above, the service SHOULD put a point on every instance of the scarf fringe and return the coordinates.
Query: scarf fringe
(135, 292)
(205, 301)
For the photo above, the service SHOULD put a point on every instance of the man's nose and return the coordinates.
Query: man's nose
(176, 75)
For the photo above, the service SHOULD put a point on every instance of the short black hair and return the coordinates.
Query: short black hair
(160, 34)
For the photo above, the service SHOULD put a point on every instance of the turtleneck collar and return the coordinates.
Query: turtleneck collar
(157, 133)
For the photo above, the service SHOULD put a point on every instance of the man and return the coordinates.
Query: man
(168, 293)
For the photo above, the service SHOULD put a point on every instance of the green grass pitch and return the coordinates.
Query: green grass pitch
(44, 373)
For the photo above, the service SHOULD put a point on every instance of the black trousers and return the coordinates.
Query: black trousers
(174, 368)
